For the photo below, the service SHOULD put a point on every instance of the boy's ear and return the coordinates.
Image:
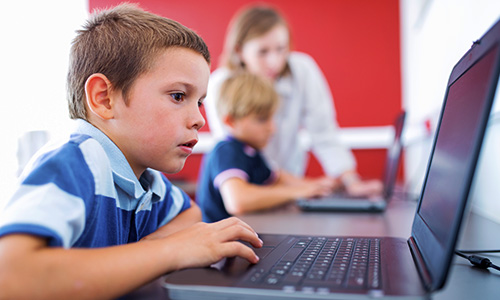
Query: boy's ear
(98, 90)
(228, 120)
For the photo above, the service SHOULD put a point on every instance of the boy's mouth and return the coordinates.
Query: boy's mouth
(190, 144)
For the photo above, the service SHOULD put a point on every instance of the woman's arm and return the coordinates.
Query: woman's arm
(319, 117)
(356, 187)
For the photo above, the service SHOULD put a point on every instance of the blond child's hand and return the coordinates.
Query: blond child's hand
(203, 244)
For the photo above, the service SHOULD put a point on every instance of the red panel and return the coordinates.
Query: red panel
(355, 42)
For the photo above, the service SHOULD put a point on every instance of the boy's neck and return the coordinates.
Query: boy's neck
(235, 138)
(249, 150)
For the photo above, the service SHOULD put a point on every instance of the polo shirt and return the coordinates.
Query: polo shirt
(230, 158)
(83, 193)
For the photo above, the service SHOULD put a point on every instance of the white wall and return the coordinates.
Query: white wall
(36, 37)
(486, 191)
(435, 35)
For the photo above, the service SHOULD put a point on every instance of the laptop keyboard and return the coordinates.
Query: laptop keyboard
(338, 262)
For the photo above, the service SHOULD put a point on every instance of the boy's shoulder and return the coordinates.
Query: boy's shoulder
(79, 160)
(63, 151)
(233, 147)
(228, 143)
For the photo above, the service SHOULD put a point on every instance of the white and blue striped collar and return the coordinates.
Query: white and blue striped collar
(123, 174)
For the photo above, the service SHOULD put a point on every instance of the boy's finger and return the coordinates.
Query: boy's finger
(231, 249)
(240, 232)
(232, 221)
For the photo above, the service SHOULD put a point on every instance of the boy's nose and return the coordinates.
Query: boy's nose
(198, 121)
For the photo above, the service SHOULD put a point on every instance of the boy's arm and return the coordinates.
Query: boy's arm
(241, 197)
(105, 273)
(185, 219)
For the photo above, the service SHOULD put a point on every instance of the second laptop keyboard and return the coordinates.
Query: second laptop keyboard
(336, 262)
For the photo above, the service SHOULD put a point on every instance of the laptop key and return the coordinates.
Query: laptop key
(293, 278)
(292, 254)
(272, 279)
(349, 263)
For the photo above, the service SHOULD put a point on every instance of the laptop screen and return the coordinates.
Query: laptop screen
(394, 153)
(453, 160)
(454, 148)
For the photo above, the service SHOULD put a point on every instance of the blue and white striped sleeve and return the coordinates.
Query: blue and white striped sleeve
(49, 201)
(177, 201)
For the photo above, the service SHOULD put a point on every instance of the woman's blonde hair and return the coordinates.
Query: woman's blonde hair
(250, 22)
(244, 94)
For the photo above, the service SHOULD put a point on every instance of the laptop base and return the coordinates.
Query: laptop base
(231, 278)
(343, 204)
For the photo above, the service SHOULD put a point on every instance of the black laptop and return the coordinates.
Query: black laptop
(344, 202)
(325, 267)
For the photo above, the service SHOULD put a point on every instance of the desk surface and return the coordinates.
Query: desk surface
(464, 281)
(395, 221)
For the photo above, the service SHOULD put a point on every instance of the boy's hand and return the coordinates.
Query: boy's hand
(203, 244)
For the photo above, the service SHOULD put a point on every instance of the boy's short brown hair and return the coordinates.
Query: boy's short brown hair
(122, 43)
(244, 94)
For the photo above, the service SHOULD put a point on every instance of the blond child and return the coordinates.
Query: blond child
(234, 177)
(258, 40)
(95, 218)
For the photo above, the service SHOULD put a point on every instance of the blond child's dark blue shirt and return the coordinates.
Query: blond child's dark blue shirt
(230, 158)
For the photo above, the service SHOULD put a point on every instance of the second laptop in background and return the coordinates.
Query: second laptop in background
(344, 202)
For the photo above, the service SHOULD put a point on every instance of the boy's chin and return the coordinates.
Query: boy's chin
(174, 169)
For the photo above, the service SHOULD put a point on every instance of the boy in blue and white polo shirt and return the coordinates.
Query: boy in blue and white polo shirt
(235, 177)
(91, 197)
(95, 218)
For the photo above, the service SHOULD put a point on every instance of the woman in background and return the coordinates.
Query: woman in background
(258, 40)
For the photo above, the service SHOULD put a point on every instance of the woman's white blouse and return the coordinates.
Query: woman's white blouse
(304, 121)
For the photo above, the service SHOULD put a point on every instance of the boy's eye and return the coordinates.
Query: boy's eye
(200, 103)
(177, 96)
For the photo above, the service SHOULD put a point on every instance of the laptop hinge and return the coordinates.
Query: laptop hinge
(419, 262)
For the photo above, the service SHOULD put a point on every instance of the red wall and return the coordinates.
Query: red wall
(355, 42)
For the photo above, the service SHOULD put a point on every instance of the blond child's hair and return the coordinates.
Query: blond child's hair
(244, 94)
(122, 43)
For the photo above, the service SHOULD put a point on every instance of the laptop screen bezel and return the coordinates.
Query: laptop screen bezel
(393, 157)
(428, 245)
